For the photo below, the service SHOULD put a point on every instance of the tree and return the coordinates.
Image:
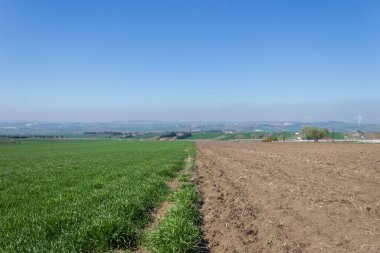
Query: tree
(313, 133)
(168, 135)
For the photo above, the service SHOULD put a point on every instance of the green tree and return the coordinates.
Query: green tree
(313, 133)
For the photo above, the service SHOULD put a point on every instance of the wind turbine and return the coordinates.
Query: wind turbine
(359, 118)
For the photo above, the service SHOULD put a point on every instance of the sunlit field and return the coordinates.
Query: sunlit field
(82, 196)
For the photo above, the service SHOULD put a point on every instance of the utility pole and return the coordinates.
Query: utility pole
(332, 134)
(284, 136)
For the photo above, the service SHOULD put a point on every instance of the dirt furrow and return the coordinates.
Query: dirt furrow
(261, 197)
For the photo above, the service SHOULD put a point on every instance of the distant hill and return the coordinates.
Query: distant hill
(59, 128)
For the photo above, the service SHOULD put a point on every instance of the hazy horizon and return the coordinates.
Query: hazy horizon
(210, 61)
(346, 113)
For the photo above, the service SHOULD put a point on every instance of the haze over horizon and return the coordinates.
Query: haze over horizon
(190, 60)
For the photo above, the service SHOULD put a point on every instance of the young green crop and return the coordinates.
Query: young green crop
(179, 231)
(81, 196)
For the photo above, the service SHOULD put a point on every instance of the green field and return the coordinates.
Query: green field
(236, 136)
(146, 136)
(82, 196)
(337, 136)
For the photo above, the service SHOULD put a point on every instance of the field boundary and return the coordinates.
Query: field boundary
(175, 225)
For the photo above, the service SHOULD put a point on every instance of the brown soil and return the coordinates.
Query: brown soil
(174, 184)
(290, 197)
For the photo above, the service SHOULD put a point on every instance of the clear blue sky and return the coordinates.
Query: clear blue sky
(190, 60)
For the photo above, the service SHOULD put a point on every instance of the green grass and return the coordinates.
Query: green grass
(179, 231)
(82, 196)
(337, 136)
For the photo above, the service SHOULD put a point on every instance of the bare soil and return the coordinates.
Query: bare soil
(290, 197)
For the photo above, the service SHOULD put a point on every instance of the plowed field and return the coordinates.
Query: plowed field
(290, 197)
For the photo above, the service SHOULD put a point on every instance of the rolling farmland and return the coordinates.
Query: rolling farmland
(82, 196)
(189, 126)
(118, 195)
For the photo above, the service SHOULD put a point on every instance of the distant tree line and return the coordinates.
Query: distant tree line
(30, 136)
(168, 135)
(181, 135)
(13, 136)
(103, 133)
(214, 131)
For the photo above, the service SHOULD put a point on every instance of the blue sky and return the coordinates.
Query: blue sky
(190, 60)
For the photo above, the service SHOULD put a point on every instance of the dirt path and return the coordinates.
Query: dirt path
(290, 197)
